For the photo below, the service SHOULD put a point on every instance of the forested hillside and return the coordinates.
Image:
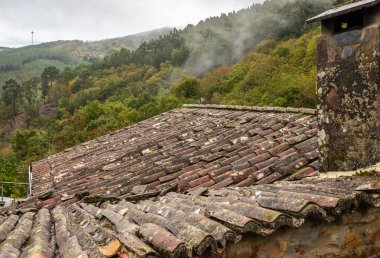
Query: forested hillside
(23, 63)
(263, 55)
(26, 62)
(225, 39)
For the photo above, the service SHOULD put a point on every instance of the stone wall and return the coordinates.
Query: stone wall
(353, 235)
(348, 99)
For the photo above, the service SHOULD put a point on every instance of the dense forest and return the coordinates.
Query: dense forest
(263, 55)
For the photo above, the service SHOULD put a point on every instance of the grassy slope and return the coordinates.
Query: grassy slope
(31, 69)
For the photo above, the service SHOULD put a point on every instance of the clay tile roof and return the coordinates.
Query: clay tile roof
(182, 150)
(179, 225)
(341, 10)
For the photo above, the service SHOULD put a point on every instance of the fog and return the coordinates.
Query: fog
(100, 19)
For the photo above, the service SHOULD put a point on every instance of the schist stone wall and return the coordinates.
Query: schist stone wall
(353, 235)
(348, 94)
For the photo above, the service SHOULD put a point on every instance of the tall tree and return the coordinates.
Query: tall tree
(30, 90)
(11, 93)
(48, 77)
(67, 75)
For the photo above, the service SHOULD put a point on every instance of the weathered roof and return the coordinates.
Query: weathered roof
(177, 224)
(341, 10)
(184, 149)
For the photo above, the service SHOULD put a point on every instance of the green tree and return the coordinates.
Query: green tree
(9, 173)
(29, 90)
(29, 144)
(48, 77)
(58, 92)
(66, 76)
(188, 87)
(11, 93)
(179, 55)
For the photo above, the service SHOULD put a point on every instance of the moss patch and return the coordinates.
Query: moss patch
(368, 173)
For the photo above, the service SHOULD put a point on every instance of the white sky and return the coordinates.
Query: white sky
(100, 19)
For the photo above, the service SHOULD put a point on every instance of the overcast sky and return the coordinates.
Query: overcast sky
(100, 19)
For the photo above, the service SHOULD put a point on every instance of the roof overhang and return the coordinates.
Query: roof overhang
(341, 10)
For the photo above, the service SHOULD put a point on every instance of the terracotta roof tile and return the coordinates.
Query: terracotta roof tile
(193, 146)
(270, 178)
(176, 224)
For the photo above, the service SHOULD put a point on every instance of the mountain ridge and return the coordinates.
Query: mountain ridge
(28, 61)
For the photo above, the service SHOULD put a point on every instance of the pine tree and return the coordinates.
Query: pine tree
(48, 77)
(11, 93)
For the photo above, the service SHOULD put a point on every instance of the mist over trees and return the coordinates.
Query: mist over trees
(222, 40)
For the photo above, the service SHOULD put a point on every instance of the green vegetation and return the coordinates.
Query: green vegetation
(11, 92)
(48, 77)
(187, 88)
(9, 173)
(13, 59)
(23, 63)
(170, 47)
(223, 40)
(263, 55)
(368, 173)
(276, 74)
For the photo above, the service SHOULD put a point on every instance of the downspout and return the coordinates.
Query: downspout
(30, 179)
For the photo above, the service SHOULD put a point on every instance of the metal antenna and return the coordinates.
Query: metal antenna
(32, 37)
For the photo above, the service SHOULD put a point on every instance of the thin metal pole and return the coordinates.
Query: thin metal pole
(2, 193)
(13, 183)
(30, 179)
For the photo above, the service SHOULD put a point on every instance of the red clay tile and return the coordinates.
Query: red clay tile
(222, 177)
(230, 160)
(260, 158)
(266, 163)
(286, 153)
(279, 148)
(270, 179)
(219, 171)
(199, 181)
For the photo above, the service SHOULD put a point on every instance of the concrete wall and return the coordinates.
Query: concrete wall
(353, 235)
(349, 97)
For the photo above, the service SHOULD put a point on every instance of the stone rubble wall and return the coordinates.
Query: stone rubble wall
(354, 235)
(348, 99)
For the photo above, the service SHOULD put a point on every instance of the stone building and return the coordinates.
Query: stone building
(223, 181)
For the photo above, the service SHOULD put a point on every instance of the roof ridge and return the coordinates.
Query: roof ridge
(307, 111)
